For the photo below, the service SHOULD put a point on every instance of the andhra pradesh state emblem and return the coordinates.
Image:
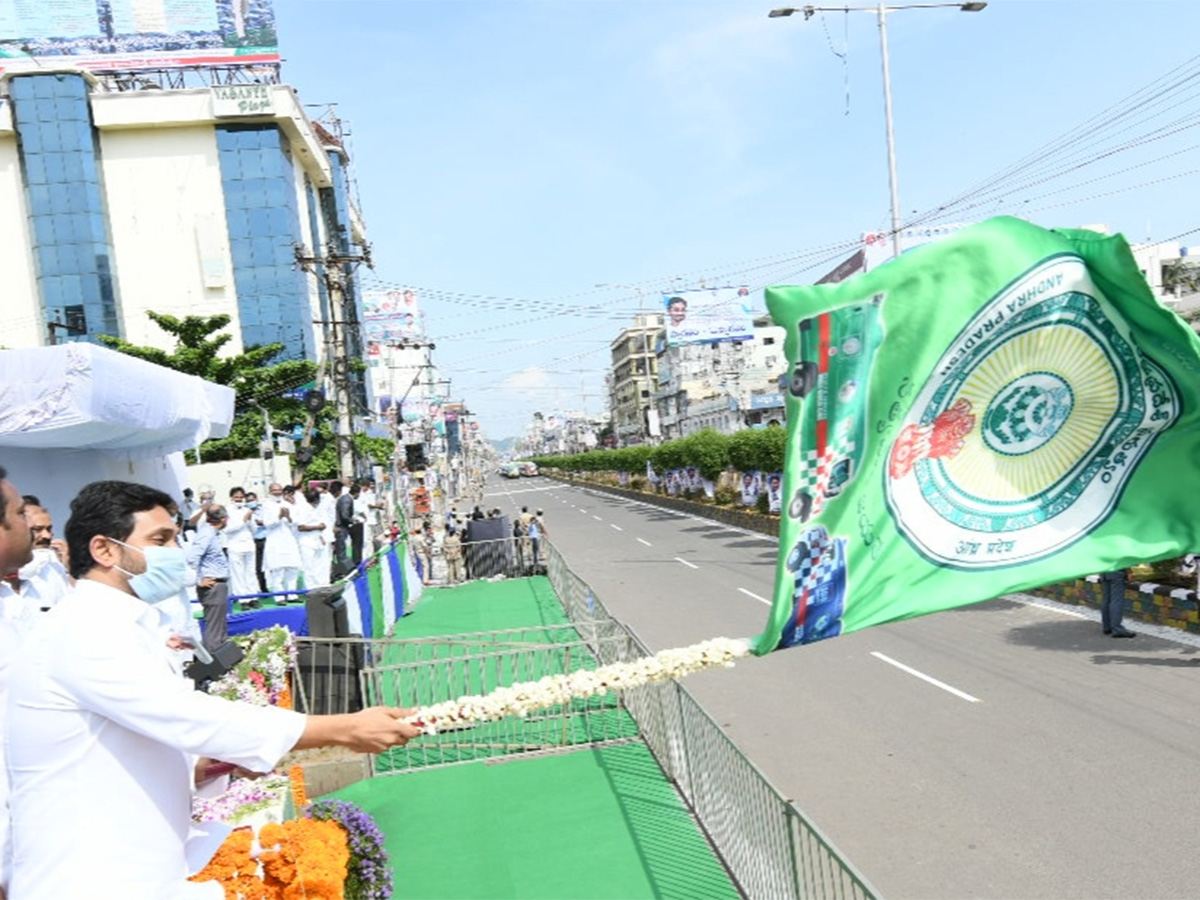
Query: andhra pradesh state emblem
(1029, 426)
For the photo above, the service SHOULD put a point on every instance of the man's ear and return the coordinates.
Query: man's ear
(104, 552)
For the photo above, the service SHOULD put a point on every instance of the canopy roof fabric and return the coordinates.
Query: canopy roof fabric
(84, 397)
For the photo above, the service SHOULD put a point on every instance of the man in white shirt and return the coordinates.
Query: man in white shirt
(103, 736)
(313, 535)
(239, 544)
(281, 555)
(365, 512)
(43, 581)
(16, 550)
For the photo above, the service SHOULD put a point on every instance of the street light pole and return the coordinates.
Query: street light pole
(881, 10)
(893, 183)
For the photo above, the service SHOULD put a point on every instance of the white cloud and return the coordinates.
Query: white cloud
(531, 383)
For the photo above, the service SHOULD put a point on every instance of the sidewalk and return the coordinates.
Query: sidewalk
(591, 822)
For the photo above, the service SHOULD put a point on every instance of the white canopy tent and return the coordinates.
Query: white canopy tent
(78, 413)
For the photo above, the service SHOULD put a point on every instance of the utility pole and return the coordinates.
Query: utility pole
(335, 267)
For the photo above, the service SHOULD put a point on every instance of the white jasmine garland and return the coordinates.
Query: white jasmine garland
(554, 690)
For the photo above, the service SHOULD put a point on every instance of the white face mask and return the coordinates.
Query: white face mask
(165, 576)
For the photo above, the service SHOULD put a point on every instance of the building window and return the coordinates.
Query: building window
(768, 341)
(263, 215)
(68, 220)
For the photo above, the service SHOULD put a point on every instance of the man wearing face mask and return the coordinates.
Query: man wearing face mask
(43, 581)
(281, 557)
(100, 726)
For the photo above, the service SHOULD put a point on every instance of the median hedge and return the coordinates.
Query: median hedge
(751, 450)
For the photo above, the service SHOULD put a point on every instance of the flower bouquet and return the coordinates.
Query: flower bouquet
(262, 677)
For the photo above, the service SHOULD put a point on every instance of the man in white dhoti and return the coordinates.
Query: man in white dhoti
(313, 535)
(281, 555)
(104, 736)
(239, 545)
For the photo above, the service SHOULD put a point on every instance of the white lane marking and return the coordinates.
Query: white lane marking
(1050, 606)
(618, 527)
(597, 518)
(911, 671)
(582, 510)
(686, 563)
(755, 535)
(647, 543)
(754, 596)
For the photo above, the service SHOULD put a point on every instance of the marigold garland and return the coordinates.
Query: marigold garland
(310, 861)
(234, 868)
(299, 791)
(302, 859)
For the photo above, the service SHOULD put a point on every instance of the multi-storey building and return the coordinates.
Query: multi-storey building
(120, 195)
(724, 386)
(634, 378)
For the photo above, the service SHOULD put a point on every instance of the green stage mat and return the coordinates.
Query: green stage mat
(483, 606)
(598, 823)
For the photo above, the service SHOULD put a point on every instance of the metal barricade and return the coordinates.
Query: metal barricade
(423, 673)
(768, 846)
(327, 678)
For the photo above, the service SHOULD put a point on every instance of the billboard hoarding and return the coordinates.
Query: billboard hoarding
(124, 35)
(390, 316)
(708, 315)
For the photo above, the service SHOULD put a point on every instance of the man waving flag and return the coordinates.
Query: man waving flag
(1006, 408)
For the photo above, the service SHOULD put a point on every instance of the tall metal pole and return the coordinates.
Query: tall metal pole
(891, 137)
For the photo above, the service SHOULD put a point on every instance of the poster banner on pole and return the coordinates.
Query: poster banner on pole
(708, 316)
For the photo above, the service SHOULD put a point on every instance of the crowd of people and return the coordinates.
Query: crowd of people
(105, 739)
(480, 552)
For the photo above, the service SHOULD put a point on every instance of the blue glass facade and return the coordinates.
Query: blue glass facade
(263, 215)
(68, 222)
(335, 204)
(314, 242)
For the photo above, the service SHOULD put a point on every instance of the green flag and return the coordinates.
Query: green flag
(1006, 408)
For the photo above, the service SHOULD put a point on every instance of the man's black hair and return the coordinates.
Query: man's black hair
(677, 300)
(187, 492)
(3, 500)
(355, 490)
(235, 490)
(335, 487)
(106, 508)
(31, 500)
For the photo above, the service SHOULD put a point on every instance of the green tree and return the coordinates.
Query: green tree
(259, 380)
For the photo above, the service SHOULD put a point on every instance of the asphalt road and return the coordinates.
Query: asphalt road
(1019, 753)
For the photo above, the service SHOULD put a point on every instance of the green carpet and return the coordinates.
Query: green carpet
(483, 606)
(601, 823)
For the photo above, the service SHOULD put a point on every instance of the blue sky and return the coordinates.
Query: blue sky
(511, 156)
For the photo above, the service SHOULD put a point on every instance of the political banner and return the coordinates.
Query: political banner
(708, 316)
(128, 35)
(1005, 408)
(390, 317)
